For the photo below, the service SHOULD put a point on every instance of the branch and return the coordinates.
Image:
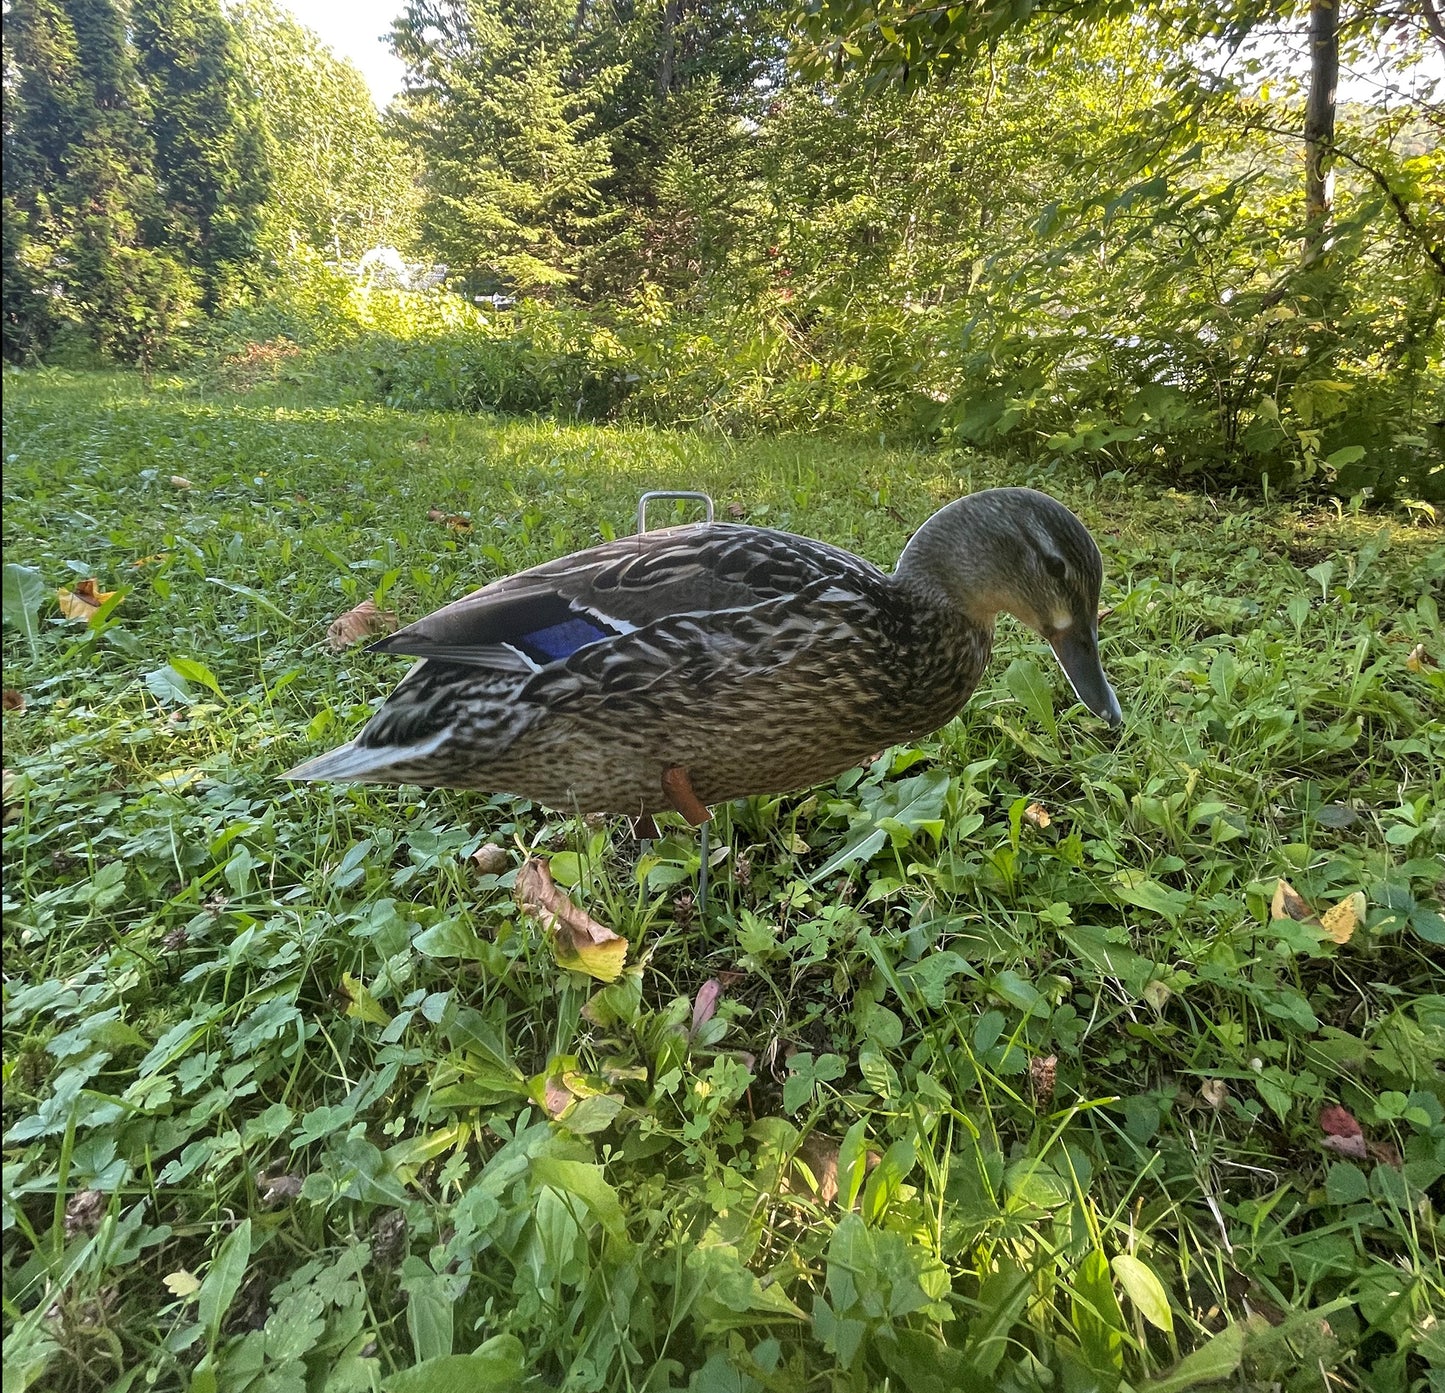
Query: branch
(1435, 253)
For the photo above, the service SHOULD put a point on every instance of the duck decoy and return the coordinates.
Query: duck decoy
(692, 665)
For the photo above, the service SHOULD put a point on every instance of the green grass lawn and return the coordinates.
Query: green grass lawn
(995, 1096)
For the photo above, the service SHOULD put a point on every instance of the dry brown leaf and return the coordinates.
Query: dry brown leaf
(14, 701)
(82, 602)
(819, 1154)
(1043, 1072)
(1340, 921)
(1336, 1121)
(704, 1005)
(579, 941)
(357, 624)
(1353, 1148)
(736, 510)
(1288, 903)
(179, 481)
(1036, 815)
(1386, 1153)
(455, 521)
(491, 859)
(1214, 1093)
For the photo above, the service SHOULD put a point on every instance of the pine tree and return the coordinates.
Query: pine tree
(210, 172)
(504, 120)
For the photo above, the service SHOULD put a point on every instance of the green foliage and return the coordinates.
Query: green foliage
(205, 123)
(294, 1097)
(340, 183)
(512, 158)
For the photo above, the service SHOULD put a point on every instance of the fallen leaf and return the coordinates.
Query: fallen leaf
(736, 510)
(579, 941)
(276, 1189)
(1386, 1153)
(179, 481)
(1338, 1122)
(1043, 1071)
(1341, 920)
(182, 1283)
(1157, 994)
(491, 859)
(704, 1005)
(84, 1211)
(1288, 903)
(82, 602)
(1353, 1148)
(455, 521)
(556, 1097)
(154, 559)
(818, 1153)
(1418, 659)
(360, 1003)
(14, 786)
(1214, 1093)
(14, 701)
(1036, 815)
(359, 623)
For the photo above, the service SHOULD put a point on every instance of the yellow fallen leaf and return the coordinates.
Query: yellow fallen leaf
(182, 1283)
(359, 623)
(360, 1003)
(1288, 903)
(179, 481)
(1417, 659)
(578, 941)
(1340, 921)
(82, 602)
(1036, 815)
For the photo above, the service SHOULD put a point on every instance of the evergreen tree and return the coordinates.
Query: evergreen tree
(79, 187)
(210, 171)
(504, 120)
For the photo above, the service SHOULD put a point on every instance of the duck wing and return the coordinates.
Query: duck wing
(544, 615)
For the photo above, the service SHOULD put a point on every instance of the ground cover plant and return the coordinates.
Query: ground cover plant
(1028, 1056)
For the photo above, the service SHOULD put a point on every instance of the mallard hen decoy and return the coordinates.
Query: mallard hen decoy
(693, 665)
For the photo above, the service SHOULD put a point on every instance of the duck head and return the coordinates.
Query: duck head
(1018, 551)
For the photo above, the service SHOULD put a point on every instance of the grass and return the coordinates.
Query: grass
(1013, 1080)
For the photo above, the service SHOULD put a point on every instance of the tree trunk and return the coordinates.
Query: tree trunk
(671, 16)
(1320, 124)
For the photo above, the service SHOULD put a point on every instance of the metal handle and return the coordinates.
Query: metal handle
(653, 495)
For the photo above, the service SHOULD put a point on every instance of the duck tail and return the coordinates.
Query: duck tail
(357, 763)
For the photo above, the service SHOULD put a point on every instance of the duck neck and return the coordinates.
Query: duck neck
(962, 558)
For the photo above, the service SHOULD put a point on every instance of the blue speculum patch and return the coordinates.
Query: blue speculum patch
(556, 641)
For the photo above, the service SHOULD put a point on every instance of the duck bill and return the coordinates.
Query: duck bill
(1078, 655)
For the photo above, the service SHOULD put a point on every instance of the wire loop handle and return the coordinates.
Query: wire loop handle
(657, 495)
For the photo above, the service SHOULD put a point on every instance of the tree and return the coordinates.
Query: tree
(340, 182)
(79, 184)
(210, 171)
(503, 119)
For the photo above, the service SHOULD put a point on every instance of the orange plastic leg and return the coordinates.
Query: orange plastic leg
(677, 785)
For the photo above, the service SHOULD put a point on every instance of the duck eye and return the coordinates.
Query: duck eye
(1054, 565)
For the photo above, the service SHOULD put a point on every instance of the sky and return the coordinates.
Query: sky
(353, 29)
